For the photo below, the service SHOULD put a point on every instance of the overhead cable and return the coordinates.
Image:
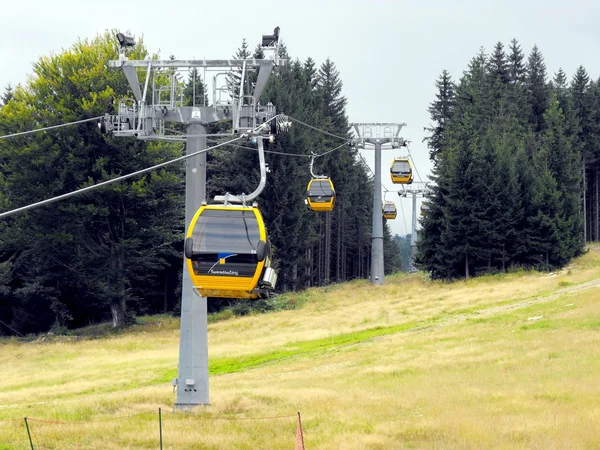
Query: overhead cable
(403, 217)
(114, 180)
(23, 133)
(413, 162)
(304, 155)
(318, 129)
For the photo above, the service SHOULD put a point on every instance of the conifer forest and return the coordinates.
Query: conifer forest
(515, 184)
(515, 178)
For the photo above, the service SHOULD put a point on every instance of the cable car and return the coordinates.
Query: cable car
(401, 171)
(320, 194)
(389, 210)
(228, 254)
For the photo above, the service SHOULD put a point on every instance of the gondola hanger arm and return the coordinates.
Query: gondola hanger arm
(313, 155)
(243, 198)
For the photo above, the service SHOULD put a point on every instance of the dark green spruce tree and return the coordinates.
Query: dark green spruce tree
(537, 86)
(429, 256)
(564, 162)
(440, 112)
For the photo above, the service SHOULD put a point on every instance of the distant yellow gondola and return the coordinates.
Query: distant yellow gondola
(228, 254)
(320, 194)
(401, 171)
(389, 210)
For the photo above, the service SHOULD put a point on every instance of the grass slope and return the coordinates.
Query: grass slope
(508, 361)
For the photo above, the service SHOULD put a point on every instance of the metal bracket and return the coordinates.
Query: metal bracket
(312, 160)
(382, 133)
(161, 99)
(243, 198)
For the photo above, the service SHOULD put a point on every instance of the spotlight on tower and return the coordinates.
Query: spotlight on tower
(125, 41)
(271, 40)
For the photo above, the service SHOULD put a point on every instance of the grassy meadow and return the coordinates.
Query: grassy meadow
(507, 361)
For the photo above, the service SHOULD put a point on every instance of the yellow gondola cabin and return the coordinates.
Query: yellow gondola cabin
(389, 210)
(320, 194)
(401, 171)
(228, 253)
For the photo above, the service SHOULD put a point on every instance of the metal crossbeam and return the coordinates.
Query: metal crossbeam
(418, 188)
(204, 63)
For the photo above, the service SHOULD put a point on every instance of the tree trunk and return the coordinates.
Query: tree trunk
(590, 215)
(344, 256)
(309, 266)
(327, 249)
(467, 266)
(338, 253)
(166, 293)
(597, 214)
(584, 206)
(358, 263)
(117, 286)
(117, 308)
(320, 266)
(294, 276)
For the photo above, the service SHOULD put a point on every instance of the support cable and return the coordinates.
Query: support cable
(332, 150)
(301, 155)
(12, 329)
(114, 180)
(371, 170)
(318, 129)
(403, 218)
(177, 136)
(386, 190)
(183, 138)
(413, 162)
(157, 166)
(22, 133)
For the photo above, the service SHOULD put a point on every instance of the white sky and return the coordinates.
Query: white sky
(388, 52)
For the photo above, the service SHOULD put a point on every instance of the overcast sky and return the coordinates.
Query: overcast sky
(388, 52)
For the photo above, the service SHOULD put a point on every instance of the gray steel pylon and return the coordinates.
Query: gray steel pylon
(158, 100)
(377, 134)
(192, 377)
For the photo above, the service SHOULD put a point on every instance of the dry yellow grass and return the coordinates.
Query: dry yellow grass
(497, 362)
